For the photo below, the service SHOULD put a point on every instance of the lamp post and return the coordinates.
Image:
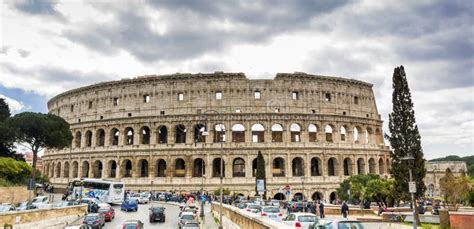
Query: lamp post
(202, 132)
(221, 175)
(410, 159)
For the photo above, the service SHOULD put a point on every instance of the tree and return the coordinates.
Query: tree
(454, 189)
(470, 170)
(261, 173)
(13, 171)
(357, 184)
(225, 192)
(41, 131)
(404, 139)
(380, 191)
(4, 110)
(6, 136)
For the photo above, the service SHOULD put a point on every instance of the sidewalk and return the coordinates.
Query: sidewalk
(208, 222)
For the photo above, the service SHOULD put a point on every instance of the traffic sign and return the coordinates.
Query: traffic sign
(412, 187)
(260, 185)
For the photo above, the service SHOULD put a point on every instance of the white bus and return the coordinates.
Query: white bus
(108, 191)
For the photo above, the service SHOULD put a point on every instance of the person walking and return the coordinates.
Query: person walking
(321, 210)
(344, 210)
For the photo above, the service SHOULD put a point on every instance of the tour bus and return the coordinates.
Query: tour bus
(108, 191)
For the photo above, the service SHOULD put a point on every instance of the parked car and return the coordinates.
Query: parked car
(109, 213)
(139, 198)
(186, 216)
(300, 220)
(128, 205)
(254, 208)
(274, 202)
(132, 224)
(192, 224)
(6, 208)
(40, 201)
(65, 204)
(157, 214)
(272, 213)
(296, 207)
(82, 226)
(25, 206)
(95, 220)
(337, 224)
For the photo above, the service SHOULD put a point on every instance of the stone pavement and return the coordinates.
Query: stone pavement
(208, 222)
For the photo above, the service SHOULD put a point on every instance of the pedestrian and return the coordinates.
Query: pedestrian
(344, 210)
(321, 210)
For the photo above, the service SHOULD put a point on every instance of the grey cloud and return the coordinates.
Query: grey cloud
(4, 49)
(37, 7)
(23, 53)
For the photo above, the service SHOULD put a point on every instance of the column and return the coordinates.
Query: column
(248, 166)
(288, 168)
(135, 171)
(104, 170)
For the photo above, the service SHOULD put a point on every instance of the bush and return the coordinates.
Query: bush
(225, 191)
(14, 172)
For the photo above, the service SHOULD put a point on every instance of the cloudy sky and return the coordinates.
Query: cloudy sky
(48, 47)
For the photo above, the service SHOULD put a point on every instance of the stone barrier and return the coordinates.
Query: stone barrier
(36, 217)
(13, 194)
(461, 220)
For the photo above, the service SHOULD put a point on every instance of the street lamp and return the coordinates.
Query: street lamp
(221, 174)
(410, 159)
(201, 134)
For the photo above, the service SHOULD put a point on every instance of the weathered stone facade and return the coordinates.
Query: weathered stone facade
(435, 170)
(312, 130)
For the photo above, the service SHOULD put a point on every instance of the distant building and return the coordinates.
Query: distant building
(435, 170)
(39, 161)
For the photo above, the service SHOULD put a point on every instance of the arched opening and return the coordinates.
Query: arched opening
(85, 169)
(161, 168)
(368, 135)
(332, 198)
(329, 130)
(112, 169)
(216, 167)
(277, 133)
(198, 168)
(381, 166)
(316, 166)
(145, 135)
(360, 166)
(75, 169)
(279, 196)
(317, 196)
(343, 133)
(58, 170)
(238, 133)
(238, 167)
(332, 167)
(114, 136)
(372, 165)
(180, 133)
(78, 139)
(278, 167)
(258, 133)
(347, 167)
(126, 168)
(143, 167)
(313, 133)
(162, 137)
(97, 169)
(357, 130)
(129, 135)
(66, 170)
(297, 167)
(100, 137)
(295, 130)
(88, 138)
(254, 167)
(219, 133)
(298, 196)
(180, 168)
(378, 137)
(199, 129)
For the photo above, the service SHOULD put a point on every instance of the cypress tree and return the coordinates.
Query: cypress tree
(404, 139)
(261, 173)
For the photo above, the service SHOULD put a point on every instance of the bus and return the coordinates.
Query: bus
(108, 191)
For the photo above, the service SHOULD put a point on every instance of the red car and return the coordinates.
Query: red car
(109, 213)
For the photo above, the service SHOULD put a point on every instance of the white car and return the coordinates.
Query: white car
(300, 220)
(254, 208)
(138, 198)
(41, 202)
(339, 224)
(99, 203)
(274, 202)
(272, 213)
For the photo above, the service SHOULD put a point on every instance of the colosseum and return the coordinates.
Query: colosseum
(168, 132)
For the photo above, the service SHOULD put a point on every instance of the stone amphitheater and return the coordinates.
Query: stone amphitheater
(168, 132)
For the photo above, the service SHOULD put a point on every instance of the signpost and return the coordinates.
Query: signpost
(260, 186)
(412, 187)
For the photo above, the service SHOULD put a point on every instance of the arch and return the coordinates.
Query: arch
(161, 168)
(357, 130)
(279, 196)
(198, 167)
(66, 169)
(360, 166)
(329, 129)
(347, 167)
(162, 135)
(368, 135)
(332, 198)
(85, 169)
(258, 133)
(254, 167)
(317, 196)
(199, 129)
(78, 139)
(112, 166)
(343, 132)
(378, 136)
(381, 167)
(298, 196)
(179, 168)
(332, 167)
(316, 166)
(75, 169)
(277, 133)
(180, 133)
(126, 168)
(216, 167)
(238, 167)
(372, 166)
(238, 133)
(129, 136)
(97, 169)
(145, 135)
(313, 132)
(57, 172)
(88, 138)
(297, 167)
(143, 167)
(219, 132)
(295, 130)
(100, 134)
(114, 136)
(278, 168)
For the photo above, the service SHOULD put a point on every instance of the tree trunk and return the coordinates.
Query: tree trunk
(33, 171)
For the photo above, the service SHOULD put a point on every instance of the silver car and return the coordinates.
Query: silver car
(272, 213)
(192, 224)
(337, 224)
